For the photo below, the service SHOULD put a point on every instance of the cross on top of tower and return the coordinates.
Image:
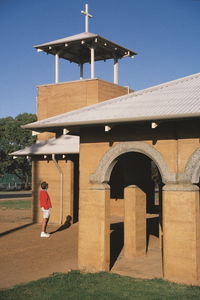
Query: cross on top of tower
(87, 16)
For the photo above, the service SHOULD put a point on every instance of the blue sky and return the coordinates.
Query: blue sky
(164, 33)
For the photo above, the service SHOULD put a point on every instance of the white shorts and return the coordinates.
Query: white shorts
(46, 213)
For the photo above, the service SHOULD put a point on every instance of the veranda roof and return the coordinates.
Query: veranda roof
(172, 100)
(66, 144)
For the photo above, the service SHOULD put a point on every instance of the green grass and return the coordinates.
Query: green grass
(15, 204)
(99, 286)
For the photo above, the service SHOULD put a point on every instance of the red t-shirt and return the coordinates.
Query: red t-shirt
(45, 199)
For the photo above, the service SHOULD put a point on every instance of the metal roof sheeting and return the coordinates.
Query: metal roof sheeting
(172, 100)
(66, 144)
(76, 37)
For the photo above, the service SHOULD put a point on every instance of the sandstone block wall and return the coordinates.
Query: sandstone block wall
(94, 229)
(181, 234)
(180, 213)
(47, 171)
(54, 99)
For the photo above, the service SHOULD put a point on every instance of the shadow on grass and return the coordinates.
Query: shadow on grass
(15, 229)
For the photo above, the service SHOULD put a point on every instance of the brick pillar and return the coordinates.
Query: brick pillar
(181, 240)
(94, 229)
(134, 222)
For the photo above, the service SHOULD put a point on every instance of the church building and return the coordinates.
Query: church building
(124, 164)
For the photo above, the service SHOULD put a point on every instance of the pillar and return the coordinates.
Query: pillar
(181, 239)
(116, 66)
(56, 68)
(92, 62)
(134, 221)
(94, 229)
(81, 71)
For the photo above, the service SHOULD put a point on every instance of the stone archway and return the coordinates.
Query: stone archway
(133, 197)
(192, 169)
(180, 208)
(109, 159)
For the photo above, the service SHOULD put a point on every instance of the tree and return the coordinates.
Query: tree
(13, 138)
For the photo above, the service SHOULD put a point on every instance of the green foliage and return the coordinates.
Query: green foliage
(13, 138)
(99, 286)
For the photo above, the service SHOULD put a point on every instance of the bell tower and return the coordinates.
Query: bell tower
(85, 47)
(82, 48)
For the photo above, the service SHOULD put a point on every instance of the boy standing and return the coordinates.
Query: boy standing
(45, 204)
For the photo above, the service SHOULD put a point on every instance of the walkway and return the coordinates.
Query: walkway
(148, 266)
(26, 257)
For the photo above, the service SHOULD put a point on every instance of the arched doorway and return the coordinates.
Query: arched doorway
(135, 168)
(109, 173)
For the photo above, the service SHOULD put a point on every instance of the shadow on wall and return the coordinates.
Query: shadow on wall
(75, 159)
(152, 225)
(116, 241)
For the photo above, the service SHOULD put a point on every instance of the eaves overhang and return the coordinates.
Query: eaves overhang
(91, 123)
(65, 144)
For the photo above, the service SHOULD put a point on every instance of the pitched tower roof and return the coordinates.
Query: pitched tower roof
(76, 48)
(85, 47)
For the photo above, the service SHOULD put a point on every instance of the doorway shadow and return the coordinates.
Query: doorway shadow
(152, 229)
(116, 241)
(64, 226)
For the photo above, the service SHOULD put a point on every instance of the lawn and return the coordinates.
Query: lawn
(15, 204)
(99, 286)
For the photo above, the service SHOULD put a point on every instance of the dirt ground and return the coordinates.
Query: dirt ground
(25, 256)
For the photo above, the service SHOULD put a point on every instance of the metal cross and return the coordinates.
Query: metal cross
(87, 15)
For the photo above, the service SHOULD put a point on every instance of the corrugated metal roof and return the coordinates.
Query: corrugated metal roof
(66, 144)
(76, 48)
(175, 99)
(76, 37)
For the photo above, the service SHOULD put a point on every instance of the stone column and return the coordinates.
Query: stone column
(181, 239)
(134, 222)
(94, 229)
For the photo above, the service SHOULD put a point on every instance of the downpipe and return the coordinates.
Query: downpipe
(61, 187)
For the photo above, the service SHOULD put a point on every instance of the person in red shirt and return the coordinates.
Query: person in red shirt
(45, 204)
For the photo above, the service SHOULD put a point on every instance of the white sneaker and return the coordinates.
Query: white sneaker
(44, 234)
